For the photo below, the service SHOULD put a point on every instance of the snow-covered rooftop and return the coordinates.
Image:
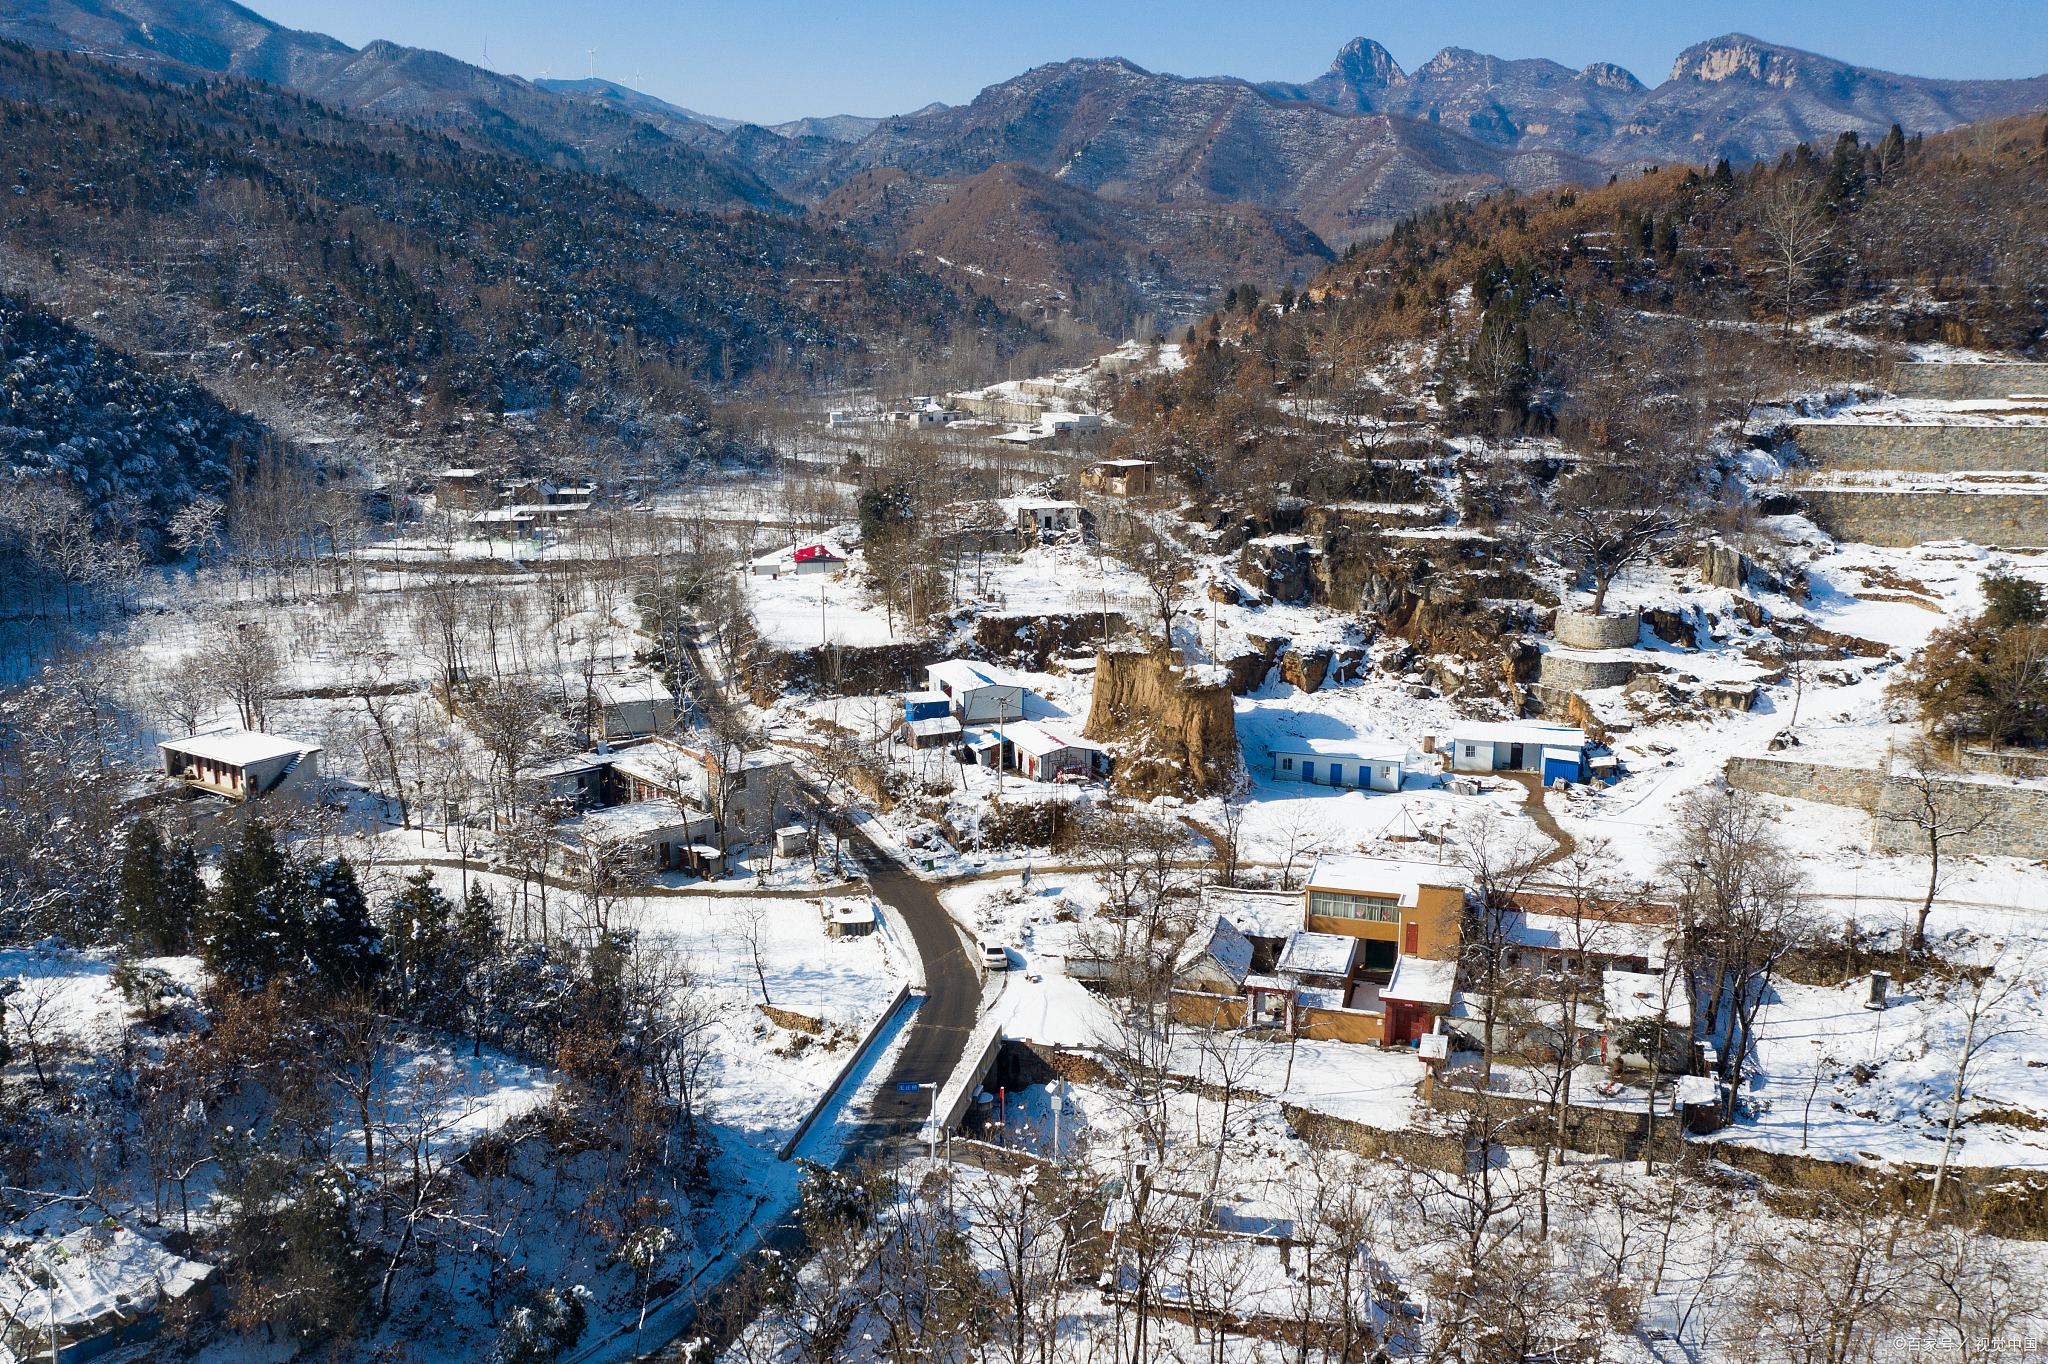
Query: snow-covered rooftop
(1418, 980)
(1517, 732)
(1040, 741)
(1365, 750)
(1230, 950)
(1380, 876)
(99, 1272)
(238, 747)
(1317, 954)
(1599, 936)
(621, 691)
(1631, 995)
(964, 676)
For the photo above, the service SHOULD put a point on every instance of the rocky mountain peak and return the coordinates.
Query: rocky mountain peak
(1364, 62)
(1453, 61)
(1736, 56)
(1608, 76)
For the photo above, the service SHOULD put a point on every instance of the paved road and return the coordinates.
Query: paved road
(937, 1037)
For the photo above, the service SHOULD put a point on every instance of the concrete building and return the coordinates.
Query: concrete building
(1048, 516)
(666, 836)
(1121, 477)
(1551, 751)
(1400, 913)
(976, 696)
(243, 765)
(1340, 762)
(633, 707)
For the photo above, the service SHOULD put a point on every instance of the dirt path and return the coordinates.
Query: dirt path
(1538, 811)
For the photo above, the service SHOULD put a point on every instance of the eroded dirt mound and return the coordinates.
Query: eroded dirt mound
(1170, 734)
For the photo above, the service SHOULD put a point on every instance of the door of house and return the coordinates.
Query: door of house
(1515, 757)
(1411, 942)
(1308, 771)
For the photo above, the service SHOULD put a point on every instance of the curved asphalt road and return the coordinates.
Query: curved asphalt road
(937, 1037)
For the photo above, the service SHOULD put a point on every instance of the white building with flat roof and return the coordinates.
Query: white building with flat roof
(243, 765)
(1553, 751)
(1361, 764)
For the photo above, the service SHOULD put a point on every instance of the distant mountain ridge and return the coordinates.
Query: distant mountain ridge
(1345, 155)
(1733, 96)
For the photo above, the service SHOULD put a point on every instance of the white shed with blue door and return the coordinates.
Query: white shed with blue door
(1549, 751)
(1335, 762)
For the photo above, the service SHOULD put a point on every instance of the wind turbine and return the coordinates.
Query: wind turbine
(636, 77)
(591, 52)
(487, 52)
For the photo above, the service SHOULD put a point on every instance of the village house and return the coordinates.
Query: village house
(1120, 477)
(1407, 920)
(632, 707)
(1042, 754)
(1048, 516)
(1340, 762)
(819, 556)
(974, 695)
(1553, 752)
(459, 488)
(1070, 423)
(1208, 983)
(1606, 957)
(243, 765)
(747, 794)
(665, 835)
(576, 781)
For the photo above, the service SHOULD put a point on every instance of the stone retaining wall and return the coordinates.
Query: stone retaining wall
(1855, 787)
(1901, 519)
(2018, 815)
(1856, 445)
(1958, 383)
(1562, 671)
(1581, 630)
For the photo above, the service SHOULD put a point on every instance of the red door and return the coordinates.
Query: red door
(1411, 944)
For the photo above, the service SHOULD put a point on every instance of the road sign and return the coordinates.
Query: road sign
(908, 1086)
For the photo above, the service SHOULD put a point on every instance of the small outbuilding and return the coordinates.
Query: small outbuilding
(975, 695)
(1553, 752)
(1338, 762)
(632, 707)
(1048, 755)
(1048, 516)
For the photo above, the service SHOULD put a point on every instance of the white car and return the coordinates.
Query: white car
(994, 955)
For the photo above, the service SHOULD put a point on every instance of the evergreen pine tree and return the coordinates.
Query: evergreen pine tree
(344, 947)
(251, 934)
(416, 933)
(138, 895)
(182, 898)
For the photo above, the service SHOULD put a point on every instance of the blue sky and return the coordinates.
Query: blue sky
(770, 60)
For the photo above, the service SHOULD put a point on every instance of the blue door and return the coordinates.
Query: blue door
(1308, 771)
(1556, 768)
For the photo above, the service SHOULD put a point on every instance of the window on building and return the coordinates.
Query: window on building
(1287, 764)
(1382, 909)
(1471, 750)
